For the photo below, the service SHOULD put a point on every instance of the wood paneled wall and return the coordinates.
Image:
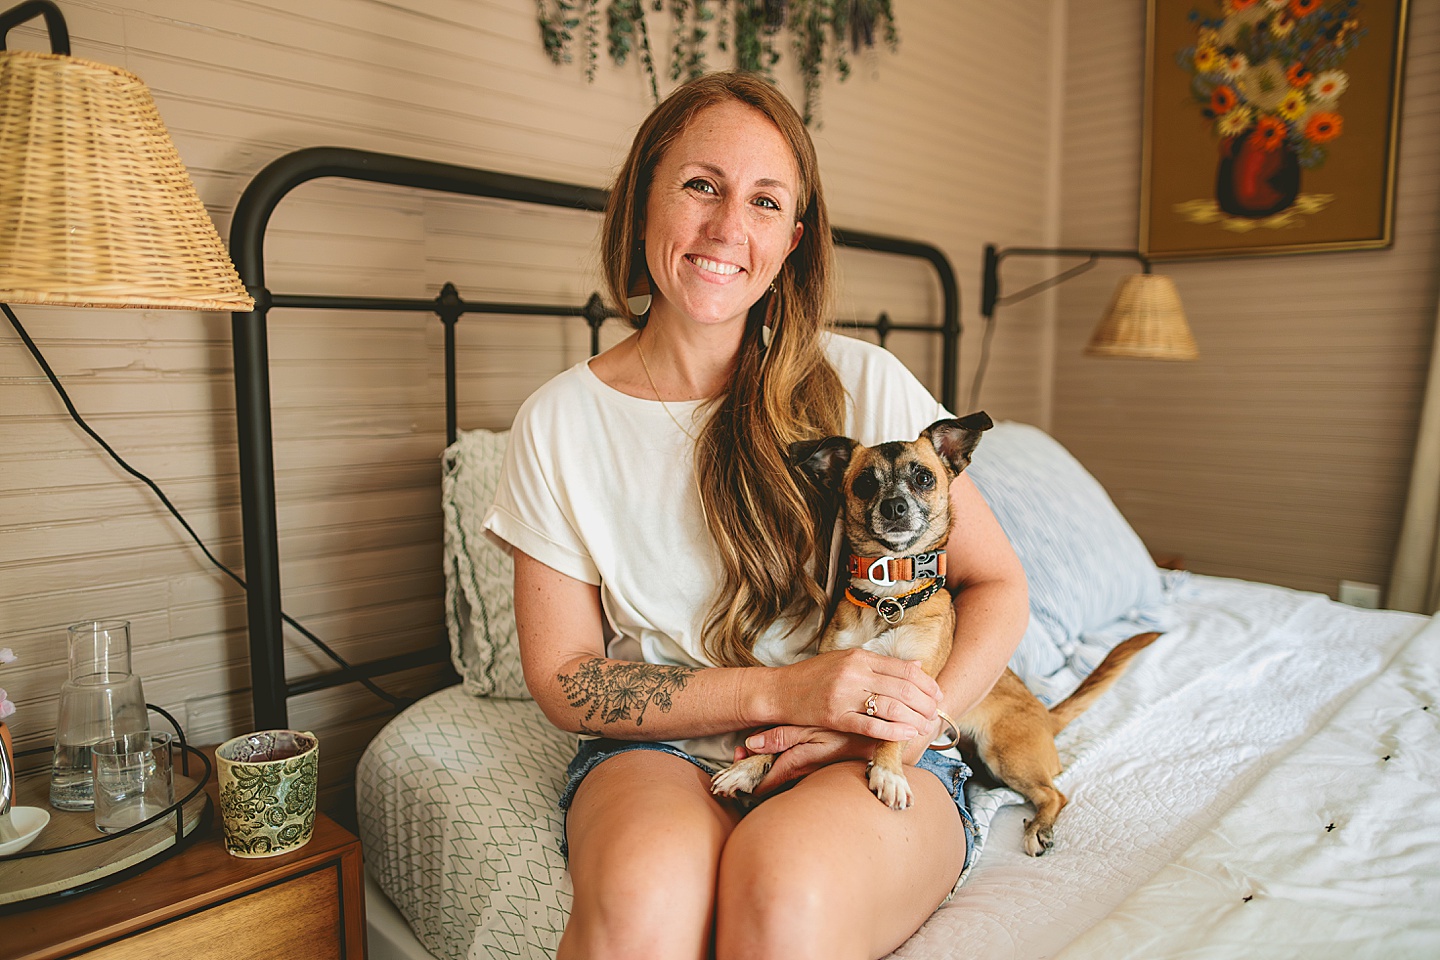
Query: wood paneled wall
(1283, 454)
(953, 140)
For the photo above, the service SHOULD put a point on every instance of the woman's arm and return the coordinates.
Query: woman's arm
(992, 600)
(559, 621)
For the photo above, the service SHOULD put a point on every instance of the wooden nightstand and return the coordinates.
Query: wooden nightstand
(202, 902)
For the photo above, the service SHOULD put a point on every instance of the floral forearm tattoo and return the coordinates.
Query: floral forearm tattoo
(622, 691)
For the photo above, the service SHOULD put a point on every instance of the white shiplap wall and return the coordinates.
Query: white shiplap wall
(952, 141)
(1283, 454)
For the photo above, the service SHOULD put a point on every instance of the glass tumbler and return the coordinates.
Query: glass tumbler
(101, 700)
(134, 779)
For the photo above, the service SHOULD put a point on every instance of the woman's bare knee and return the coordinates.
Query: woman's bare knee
(765, 909)
(827, 871)
(644, 900)
(655, 917)
(778, 894)
(645, 836)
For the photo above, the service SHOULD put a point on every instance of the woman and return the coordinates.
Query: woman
(669, 574)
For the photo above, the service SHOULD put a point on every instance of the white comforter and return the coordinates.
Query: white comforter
(1260, 784)
(1230, 796)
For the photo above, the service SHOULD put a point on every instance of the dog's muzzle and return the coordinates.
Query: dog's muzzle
(896, 522)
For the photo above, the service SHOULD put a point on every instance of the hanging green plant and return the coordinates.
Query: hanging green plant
(823, 33)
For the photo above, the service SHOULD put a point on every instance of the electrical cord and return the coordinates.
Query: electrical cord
(984, 362)
(1025, 294)
(394, 701)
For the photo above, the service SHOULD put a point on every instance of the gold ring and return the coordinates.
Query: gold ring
(870, 706)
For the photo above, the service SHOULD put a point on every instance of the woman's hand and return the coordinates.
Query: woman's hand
(803, 750)
(800, 751)
(832, 691)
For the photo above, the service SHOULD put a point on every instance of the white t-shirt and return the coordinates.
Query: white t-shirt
(600, 486)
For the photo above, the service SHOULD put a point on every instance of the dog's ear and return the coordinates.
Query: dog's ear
(823, 461)
(955, 440)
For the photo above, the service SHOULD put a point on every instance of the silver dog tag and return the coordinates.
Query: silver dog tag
(892, 611)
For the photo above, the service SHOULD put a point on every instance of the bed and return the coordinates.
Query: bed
(1259, 783)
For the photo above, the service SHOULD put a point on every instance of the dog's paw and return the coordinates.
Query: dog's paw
(891, 787)
(742, 777)
(1038, 841)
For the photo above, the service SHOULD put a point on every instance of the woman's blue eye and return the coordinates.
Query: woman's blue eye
(703, 186)
(767, 202)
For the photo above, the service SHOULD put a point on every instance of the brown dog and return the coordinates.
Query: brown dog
(896, 499)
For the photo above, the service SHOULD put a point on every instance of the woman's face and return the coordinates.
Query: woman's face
(720, 217)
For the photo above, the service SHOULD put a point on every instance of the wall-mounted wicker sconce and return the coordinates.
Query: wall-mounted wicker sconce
(96, 208)
(1144, 319)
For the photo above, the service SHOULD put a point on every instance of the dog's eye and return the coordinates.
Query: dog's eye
(865, 485)
(923, 478)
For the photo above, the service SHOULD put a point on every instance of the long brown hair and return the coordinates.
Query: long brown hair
(765, 525)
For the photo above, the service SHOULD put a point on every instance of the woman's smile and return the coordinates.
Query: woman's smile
(715, 267)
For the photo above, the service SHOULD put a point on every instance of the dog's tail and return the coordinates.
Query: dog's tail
(1099, 681)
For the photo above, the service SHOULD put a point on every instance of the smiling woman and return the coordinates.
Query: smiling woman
(724, 172)
(668, 628)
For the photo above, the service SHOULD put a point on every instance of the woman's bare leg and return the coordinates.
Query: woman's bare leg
(827, 870)
(645, 837)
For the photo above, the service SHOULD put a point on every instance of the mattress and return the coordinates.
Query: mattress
(1262, 775)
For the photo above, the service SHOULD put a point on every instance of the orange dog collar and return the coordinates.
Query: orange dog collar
(887, 570)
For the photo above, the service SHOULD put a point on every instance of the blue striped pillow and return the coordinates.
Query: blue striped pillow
(1086, 566)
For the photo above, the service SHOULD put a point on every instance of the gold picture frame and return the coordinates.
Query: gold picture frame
(1271, 126)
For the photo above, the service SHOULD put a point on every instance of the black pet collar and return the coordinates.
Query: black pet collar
(892, 609)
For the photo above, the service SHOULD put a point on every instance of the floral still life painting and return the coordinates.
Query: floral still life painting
(1270, 126)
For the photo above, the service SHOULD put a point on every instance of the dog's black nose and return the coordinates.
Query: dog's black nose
(893, 508)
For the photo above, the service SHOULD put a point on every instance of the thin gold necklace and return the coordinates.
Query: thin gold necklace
(663, 406)
(695, 471)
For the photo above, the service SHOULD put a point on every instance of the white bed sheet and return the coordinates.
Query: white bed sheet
(1196, 781)
(1335, 852)
(1156, 772)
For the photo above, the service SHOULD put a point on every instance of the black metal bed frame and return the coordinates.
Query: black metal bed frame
(270, 687)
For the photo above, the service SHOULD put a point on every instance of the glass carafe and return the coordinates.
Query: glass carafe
(102, 699)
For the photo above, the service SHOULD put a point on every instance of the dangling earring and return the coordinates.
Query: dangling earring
(767, 332)
(638, 298)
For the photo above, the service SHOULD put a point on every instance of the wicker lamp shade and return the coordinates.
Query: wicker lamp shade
(1145, 320)
(96, 207)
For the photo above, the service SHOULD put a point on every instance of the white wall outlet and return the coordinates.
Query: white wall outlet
(1358, 594)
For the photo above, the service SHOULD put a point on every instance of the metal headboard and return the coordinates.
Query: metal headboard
(271, 689)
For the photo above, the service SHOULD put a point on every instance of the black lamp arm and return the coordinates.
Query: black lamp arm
(990, 282)
(29, 10)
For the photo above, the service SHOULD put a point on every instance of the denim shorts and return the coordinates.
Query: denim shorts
(952, 772)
